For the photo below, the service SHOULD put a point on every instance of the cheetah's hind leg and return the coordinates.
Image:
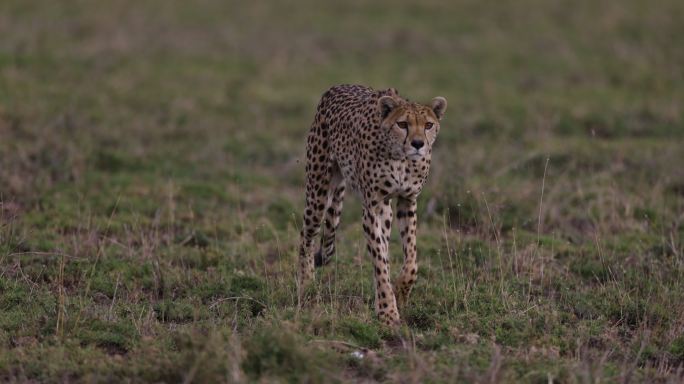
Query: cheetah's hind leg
(318, 180)
(333, 211)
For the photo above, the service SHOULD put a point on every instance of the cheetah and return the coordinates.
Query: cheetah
(379, 145)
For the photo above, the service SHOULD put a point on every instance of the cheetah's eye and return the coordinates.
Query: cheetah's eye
(428, 125)
(402, 124)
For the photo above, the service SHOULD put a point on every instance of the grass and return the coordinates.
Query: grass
(151, 185)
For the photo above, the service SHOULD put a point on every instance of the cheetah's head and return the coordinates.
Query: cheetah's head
(412, 128)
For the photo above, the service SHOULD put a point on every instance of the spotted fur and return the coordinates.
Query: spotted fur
(379, 145)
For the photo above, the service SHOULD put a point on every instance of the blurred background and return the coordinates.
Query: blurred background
(215, 90)
(151, 163)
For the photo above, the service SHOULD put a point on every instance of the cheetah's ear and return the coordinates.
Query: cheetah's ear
(386, 105)
(439, 105)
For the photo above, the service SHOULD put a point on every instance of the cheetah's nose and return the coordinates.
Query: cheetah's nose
(417, 144)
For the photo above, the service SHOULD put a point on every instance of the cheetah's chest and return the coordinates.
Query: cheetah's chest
(403, 177)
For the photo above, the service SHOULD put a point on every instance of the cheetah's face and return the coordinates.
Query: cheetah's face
(412, 128)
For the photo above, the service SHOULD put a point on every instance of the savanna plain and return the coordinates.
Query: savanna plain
(152, 186)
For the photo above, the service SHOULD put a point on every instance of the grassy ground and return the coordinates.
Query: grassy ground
(151, 181)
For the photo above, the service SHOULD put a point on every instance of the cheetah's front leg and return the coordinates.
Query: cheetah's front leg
(406, 216)
(377, 222)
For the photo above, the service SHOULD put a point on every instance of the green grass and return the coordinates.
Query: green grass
(151, 185)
